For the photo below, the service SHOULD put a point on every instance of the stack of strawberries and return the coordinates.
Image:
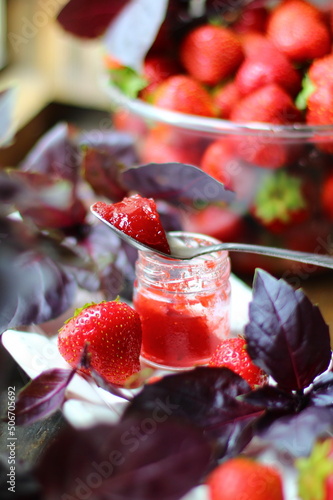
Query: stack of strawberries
(272, 65)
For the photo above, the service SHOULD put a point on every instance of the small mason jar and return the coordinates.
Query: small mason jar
(183, 305)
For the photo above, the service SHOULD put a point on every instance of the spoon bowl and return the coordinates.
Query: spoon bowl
(179, 251)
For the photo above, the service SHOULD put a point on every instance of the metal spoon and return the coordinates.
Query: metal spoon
(182, 252)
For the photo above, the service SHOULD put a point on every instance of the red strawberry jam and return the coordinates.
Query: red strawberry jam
(183, 306)
(137, 217)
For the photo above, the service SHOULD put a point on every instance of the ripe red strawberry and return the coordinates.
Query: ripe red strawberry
(164, 144)
(219, 162)
(182, 93)
(280, 202)
(254, 43)
(225, 98)
(242, 478)
(315, 473)
(266, 67)
(316, 98)
(320, 106)
(125, 121)
(137, 217)
(297, 29)
(113, 333)
(156, 69)
(327, 196)
(220, 223)
(211, 53)
(321, 70)
(251, 18)
(232, 353)
(269, 104)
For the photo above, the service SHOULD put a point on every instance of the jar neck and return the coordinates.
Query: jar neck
(201, 274)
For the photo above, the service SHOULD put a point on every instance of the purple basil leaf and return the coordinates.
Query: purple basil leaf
(49, 202)
(322, 391)
(55, 155)
(274, 399)
(102, 173)
(170, 216)
(296, 434)
(287, 335)
(208, 398)
(7, 97)
(111, 267)
(42, 396)
(134, 460)
(119, 145)
(37, 288)
(105, 155)
(176, 183)
(87, 19)
(131, 35)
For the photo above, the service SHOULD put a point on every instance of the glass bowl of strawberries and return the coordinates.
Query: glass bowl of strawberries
(246, 95)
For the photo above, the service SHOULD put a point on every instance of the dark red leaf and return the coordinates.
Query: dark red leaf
(87, 19)
(322, 391)
(105, 154)
(274, 399)
(208, 398)
(287, 335)
(37, 287)
(49, 202)
(42, 396)
(55, 155)
(296, 434)
(134, 460)
(176, 183)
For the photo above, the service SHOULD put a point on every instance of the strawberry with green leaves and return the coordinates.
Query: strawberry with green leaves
(156, 69)
(232, 354)
(280, 202)
(111, 332)
(211, 53)
(315, 473)
(138, 217)
(242, 478)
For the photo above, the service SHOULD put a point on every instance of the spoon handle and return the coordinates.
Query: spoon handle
(282, 253)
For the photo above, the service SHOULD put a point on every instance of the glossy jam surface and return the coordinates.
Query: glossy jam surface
(182, 334)
(137, 217)
(184, 308)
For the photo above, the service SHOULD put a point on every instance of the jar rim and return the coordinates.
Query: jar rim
(216, 126)
(221, 256)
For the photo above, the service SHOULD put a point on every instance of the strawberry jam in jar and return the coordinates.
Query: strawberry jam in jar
(183, 305)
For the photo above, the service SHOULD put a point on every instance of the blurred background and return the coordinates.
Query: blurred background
(56, 76)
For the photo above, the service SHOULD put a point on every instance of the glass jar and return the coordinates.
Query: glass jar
(183, 305)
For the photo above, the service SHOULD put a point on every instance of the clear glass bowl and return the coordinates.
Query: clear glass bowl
(273, 169)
